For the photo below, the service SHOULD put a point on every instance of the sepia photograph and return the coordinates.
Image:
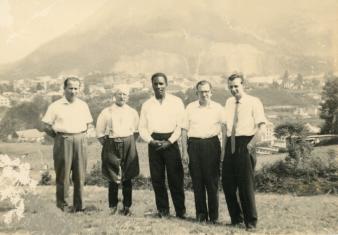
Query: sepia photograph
(169, 117)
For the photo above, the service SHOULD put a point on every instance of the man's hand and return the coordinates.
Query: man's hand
(251, 148)
(155, 143)
(49, 130)
(163, 145)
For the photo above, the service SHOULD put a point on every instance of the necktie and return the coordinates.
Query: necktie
(233, 131)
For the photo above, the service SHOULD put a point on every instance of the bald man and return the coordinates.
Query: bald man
(115, 131)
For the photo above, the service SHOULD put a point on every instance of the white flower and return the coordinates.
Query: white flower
(15, 182)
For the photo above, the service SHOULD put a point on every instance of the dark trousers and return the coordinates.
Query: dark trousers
(238, 174)
(126, 192)
(204, 162)
(70, 157)
(168, 160)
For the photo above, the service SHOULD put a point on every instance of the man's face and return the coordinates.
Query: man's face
(121, 97)
(71, 90)
(159, 86)
(236, 87)
(204, 93)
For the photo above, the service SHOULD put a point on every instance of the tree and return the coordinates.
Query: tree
(285, 78)
(23, 116)
(299, 81)
(329, 105)
(298, 148)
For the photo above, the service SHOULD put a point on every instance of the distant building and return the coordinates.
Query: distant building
(267, 150)
(269, 134)
(312, 129)
(4, 101)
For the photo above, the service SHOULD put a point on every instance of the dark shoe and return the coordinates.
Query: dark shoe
(163, 214)
(237, 224)
(201, 218)
(181, 216)
(213, 221)
(125, 211)
(113, 210)
(250, 227)
(77, 210)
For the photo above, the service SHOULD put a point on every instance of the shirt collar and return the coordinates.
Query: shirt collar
(163, 100)
(114, 105)
(65, 101)
(207, 106)
(243, 98)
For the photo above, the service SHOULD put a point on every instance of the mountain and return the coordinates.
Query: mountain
(189, 38)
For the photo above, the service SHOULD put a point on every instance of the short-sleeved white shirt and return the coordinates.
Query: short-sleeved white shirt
(117, 121)
(250, 114)
(204, 121)
(68, 117)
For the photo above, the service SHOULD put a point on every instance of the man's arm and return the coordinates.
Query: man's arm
(49, 130)
(101, 125)
(184, 142)
(258, 137)
(143, 126)
(224, 134)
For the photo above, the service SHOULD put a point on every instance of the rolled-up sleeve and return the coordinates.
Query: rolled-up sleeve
(101, 124)
(49, 116)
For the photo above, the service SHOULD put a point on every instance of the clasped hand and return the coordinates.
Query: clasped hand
(160, 144)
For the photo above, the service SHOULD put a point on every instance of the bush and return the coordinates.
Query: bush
(313, 175)
(94, 177)
(46, 178)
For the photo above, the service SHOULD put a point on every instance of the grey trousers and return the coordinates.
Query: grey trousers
(70, 157)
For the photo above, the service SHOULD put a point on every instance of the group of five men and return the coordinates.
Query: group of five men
(163, 120)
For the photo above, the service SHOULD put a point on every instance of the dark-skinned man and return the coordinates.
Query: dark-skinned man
(161, 120)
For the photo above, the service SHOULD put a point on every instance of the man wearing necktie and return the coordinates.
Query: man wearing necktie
(245, 121)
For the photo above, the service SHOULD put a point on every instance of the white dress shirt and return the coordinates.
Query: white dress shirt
(116, 121)
(250, 114)
(68, 117)
(164, 117)
(204, 121)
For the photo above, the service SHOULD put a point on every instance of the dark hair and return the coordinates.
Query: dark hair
(155, 75)
(65, 83)
(203, 82)
(236, 75)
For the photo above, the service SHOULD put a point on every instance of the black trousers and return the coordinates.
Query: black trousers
(204, 166)
(238, 174)
(167, 160)
(126, 192)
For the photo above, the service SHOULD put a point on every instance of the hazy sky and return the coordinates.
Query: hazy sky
(26, 24)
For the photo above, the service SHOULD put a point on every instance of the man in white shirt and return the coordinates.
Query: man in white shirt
(67, 121)
(160, 126)
(115, 131)
(204, 122)
(245, 122)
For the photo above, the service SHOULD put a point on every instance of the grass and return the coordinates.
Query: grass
(278, 214)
